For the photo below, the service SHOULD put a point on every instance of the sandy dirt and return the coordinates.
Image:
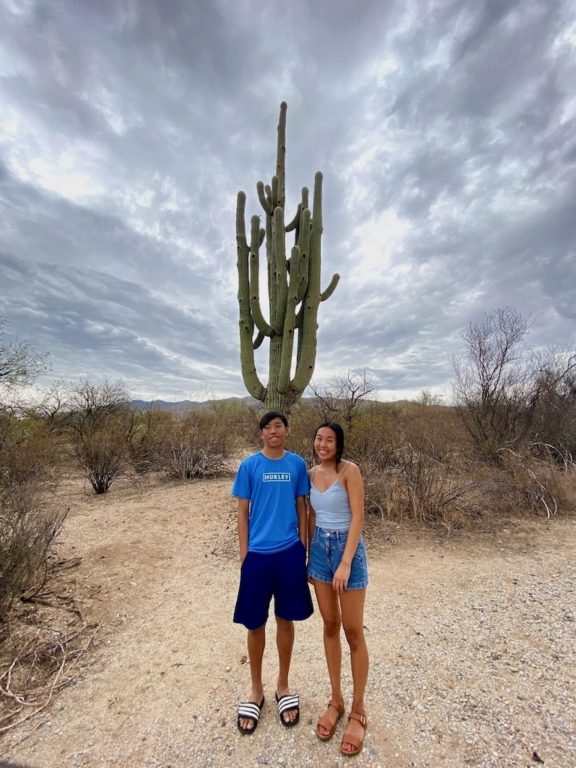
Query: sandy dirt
(471, 639)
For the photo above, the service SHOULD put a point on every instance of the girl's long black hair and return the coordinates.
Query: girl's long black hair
(339, 432)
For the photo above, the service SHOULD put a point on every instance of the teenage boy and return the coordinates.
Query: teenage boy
(271, 487)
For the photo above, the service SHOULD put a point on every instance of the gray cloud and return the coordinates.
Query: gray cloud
(445, 133)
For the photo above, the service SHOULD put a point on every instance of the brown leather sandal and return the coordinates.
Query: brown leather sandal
(325, 723)
(353, 740)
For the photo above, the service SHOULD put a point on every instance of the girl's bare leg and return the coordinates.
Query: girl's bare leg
(352, 604)
(330, 612)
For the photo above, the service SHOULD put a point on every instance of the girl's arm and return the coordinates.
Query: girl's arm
(354, 484)
(243, 510)
(311, 524)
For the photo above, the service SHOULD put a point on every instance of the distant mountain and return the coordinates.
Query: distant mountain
(183, 406)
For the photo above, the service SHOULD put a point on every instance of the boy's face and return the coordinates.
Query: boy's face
(274, 434)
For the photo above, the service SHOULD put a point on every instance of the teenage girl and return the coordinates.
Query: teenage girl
(337, 568)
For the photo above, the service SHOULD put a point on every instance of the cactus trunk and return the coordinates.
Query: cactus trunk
(294, 292)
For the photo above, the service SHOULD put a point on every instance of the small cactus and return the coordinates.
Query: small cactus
(294, 292)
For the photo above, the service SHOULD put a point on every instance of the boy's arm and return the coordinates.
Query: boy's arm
(243, 510)
(302, 512)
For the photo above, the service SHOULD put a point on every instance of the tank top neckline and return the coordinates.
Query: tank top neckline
(329, 487)
(332, 484)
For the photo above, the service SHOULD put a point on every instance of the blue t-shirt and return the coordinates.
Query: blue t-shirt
(272, 487)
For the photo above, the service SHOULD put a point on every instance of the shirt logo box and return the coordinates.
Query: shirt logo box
(276, 477)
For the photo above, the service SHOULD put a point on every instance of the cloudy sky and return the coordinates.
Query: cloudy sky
(445, 130)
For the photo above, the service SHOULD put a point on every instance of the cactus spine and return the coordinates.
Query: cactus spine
(294, 292)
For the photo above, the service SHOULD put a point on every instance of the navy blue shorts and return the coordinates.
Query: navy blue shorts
(281, 575)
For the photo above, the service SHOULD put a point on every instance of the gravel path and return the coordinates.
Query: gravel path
(472, 643)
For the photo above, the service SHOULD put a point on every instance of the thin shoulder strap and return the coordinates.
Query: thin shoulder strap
(343, 468)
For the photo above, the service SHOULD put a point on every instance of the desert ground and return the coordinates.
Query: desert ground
(472, 639)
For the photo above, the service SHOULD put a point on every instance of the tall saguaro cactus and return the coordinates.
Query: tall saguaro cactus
(294, 292)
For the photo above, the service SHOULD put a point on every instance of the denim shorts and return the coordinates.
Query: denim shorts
(326, 552)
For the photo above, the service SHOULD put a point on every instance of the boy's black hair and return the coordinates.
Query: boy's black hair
(339, 432)
(270, 416)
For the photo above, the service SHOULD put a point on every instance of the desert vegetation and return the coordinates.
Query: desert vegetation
(504, 448)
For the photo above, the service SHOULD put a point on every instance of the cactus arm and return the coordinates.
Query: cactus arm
(292, 225)
(281, 156)
(310, 302)
(242, 264)
(270, 269)
(258, 340)
(262, 197)
(246, 323)
(289, 322)
(280, 272)
(255, 309)
(304, 244)
(275, 202)
(329, 290)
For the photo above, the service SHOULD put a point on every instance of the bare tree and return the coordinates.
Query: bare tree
(28, 526)
(102, 421)
(491, 380)
(501, 385)
(19, 362)
(343, 397)
(553, 411)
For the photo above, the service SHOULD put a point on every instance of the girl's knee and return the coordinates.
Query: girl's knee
(332, 627)
(354, 636)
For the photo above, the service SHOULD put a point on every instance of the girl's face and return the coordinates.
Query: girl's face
(325, 444)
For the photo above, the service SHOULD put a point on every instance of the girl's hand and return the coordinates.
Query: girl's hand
(340, 580)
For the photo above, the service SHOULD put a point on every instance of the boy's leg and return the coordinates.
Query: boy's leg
(292, 601)
(285, 644)
(254, 595)
(256, 644)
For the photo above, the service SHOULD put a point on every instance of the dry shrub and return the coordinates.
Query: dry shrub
(419, 468)
(527, 486)
(36, 663)
(100, 420)
(27, 527)
(195, 446)
(27, 532)
(416, 488)
(145, 439)
(241, 420)
(26, 451)
(302, 422)
(103, 457)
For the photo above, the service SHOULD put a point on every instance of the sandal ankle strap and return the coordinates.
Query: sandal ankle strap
(361, 718)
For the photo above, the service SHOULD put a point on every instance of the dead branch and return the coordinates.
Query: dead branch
(40, 656)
